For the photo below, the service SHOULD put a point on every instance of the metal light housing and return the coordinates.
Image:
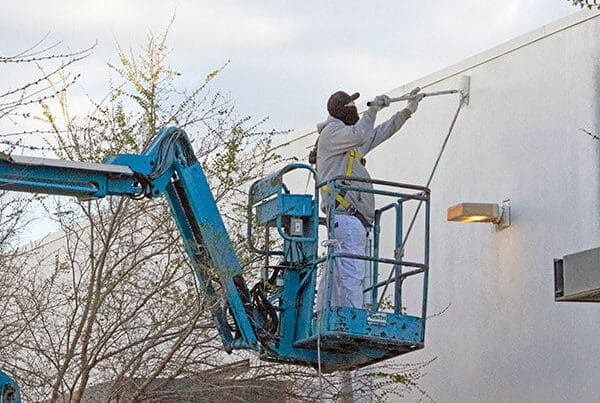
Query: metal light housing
(481, 213)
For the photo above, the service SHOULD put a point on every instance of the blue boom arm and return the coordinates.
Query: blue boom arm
(166, 167)
(277, 316)
(9, 391)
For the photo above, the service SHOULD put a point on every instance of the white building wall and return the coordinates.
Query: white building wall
(503, 338)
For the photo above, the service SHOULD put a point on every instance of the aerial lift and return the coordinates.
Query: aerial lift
(276, 317)
(9, 391)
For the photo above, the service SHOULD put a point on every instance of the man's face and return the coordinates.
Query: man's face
(351, 116)
(341, 106)
(351, 106)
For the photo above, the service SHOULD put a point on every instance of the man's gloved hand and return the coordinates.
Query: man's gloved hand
(380, 102)
(413, 103)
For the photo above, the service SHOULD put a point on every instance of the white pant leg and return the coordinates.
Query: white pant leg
(348, 273)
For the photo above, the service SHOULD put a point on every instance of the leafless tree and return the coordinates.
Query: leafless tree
(39, 63)
(586, 3)
(113, 298)
(14, 217)
(44, 63)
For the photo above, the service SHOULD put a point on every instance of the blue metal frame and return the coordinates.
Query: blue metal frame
(393, 332)
(167, 166)
(270, 204)
(85, 181)
(9, 390)
(349, 338)
(342, 337)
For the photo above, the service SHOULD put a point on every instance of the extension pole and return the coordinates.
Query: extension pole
(406, 97)
(463, 97)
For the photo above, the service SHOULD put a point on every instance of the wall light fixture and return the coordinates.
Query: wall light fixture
(498, 214)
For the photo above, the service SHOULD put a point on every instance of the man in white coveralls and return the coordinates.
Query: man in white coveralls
(344, 140)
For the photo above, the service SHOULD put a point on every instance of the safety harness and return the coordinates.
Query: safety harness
(340, 200)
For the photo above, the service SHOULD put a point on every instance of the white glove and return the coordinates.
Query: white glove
(413, 102)
(380, 102)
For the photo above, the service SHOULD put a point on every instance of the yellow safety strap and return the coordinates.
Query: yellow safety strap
(352, 155)
(338, 197)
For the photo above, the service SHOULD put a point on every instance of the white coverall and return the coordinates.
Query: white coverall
(347, 288)
(336, 139)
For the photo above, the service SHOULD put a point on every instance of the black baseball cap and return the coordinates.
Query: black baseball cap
(338, 101)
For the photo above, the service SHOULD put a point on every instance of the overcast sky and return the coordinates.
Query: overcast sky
(286, 56)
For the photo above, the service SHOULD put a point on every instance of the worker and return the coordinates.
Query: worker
(344, 139)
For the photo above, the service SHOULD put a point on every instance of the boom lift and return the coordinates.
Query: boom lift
(276, 317)
(9, 391)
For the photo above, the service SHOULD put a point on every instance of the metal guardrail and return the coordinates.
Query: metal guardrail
(402, 193)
